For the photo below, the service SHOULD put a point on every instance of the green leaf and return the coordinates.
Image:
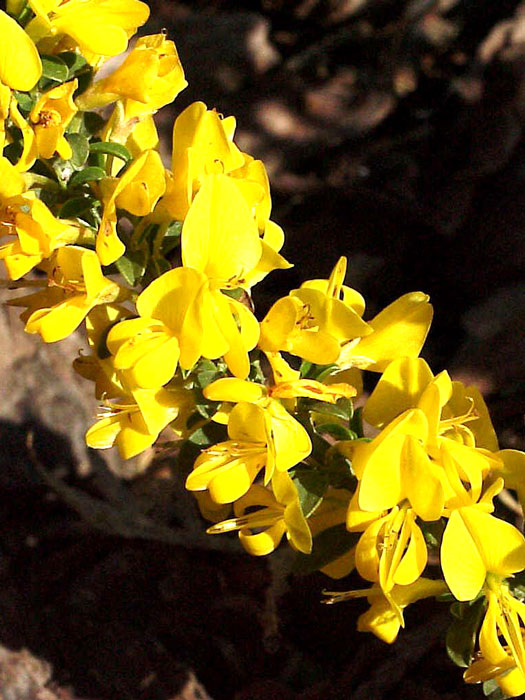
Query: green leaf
(339, 470)
(25, 101)
(171, 238)
(337, 431)
(54, 68)
(92, 123)
(343, 409)
(328, 546)
(80, 147)
(75, 62)
(462, 633)
(311, 486)
(132, 266)
(207, 373)
(91, 174)
(111, 149)
(76, 206)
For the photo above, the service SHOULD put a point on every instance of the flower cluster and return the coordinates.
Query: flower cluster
(157, 266)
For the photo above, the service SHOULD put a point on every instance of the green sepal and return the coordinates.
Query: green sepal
(327, 546)
(492, 690)
(462, 633)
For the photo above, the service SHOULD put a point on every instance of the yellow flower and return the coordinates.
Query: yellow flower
(137, 191)
(98, 367)
(392, 551)
(134, 422)
(98, 27)
(502, 648)
(20, 65)
(259, 437)
(261, 530)
(180, 315)
(475, 544)
(38, 233)
(425, 449)
(51, 116)
(339, 317)
(382, 618)
(289, 327)
(150, 77)
(398, 331)
(202, 144)
(76, 285)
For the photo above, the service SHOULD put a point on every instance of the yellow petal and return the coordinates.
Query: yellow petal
(461, 561)
(399, 389)
(20, 65)
(398, 331)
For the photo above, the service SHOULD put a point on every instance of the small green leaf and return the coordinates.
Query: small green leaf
(311, 486)
(462, 633)
(343, 409)
(76, 206)
(75, 62)
(337, 431)
(111, 149)
(171, 238)
(54, 68)
(91, 174)
(92, 123)
(132, 266)
(24, 101)
(328, 546)
(80, 147)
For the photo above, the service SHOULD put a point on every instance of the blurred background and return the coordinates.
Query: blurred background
(392, 131)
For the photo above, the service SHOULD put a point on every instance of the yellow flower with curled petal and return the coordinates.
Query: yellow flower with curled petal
(259, 437)
(98, 366)
(51, 116)
(150, 77)
(138, 191)
(333, 307)
(382, 618)
(38, 233)
(134, 422)
(501, 640)
(288, 327)
(98, 27)
(75, 285)
(277, 513)
(20, 64)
